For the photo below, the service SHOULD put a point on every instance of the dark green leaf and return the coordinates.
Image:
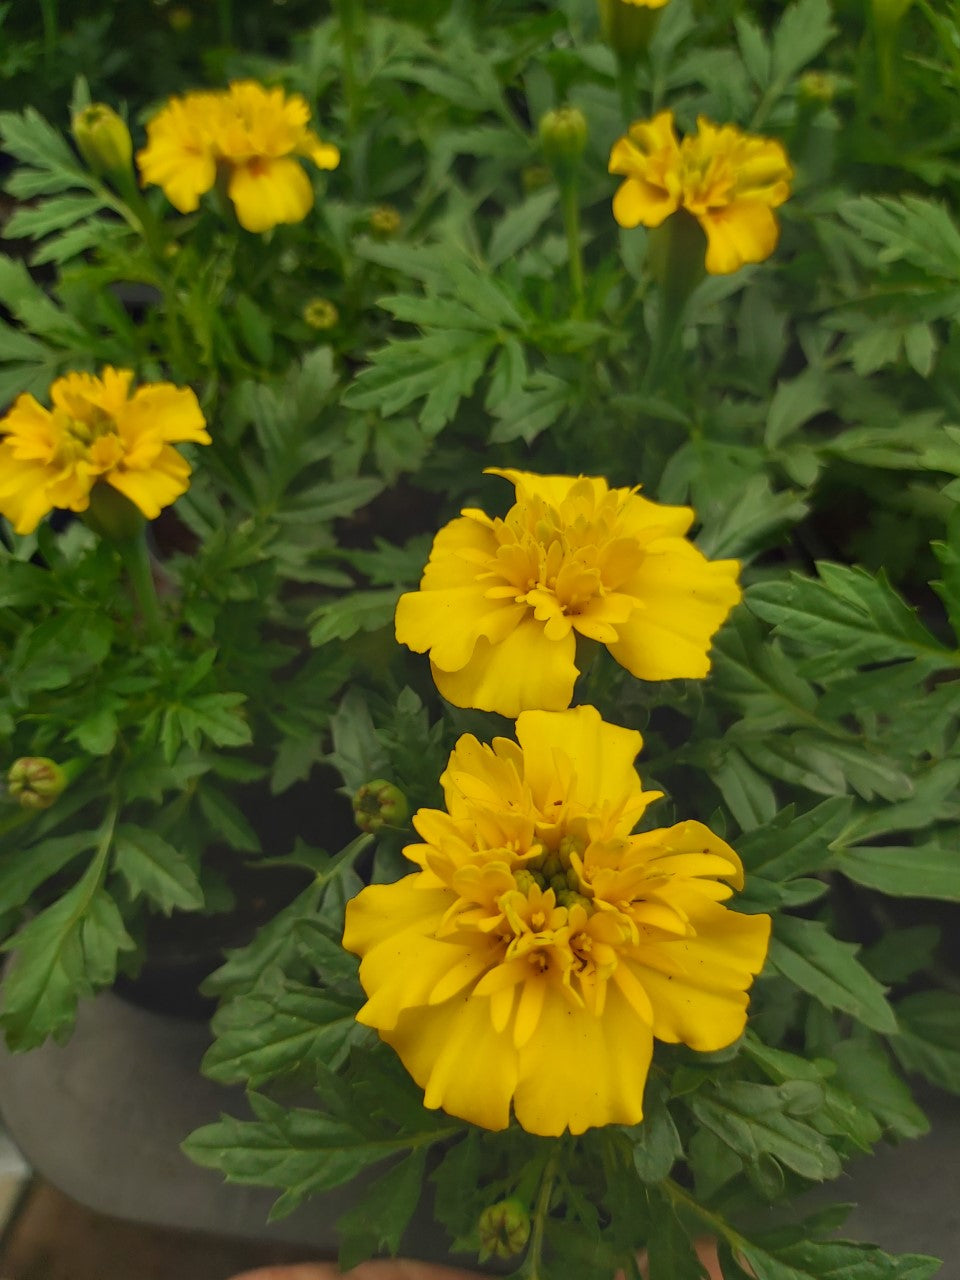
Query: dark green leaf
(827, 969)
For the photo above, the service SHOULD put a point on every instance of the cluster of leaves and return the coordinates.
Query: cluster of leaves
(808, 420)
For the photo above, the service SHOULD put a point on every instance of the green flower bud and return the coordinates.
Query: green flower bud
(385, 221)
(628, 27)
(563, 137)
(525, 880)
(570, 898)
(504, 1230)
(816, 87)
(103, 139)
(379, 804)
(35, 782)
(321, 313)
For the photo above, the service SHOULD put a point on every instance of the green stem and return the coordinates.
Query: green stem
(541, 1212)
(51, 32)
(351, 27)
(627, 87)
(136, 559)
(718, 1226)
(570, 204)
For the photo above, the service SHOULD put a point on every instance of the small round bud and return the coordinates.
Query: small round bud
(180, 18)
(563, 137)
(379, 804)
(551, 867)
(35, 782)
(504, 1230)
(525, 880)
(570, 898)
(816, 87)
(321, 313)
(385, 221)
(103, 139)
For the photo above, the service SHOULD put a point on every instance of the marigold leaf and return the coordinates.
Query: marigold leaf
(387, 1207)
(929, 1039)
(827, 969)
(153, 867)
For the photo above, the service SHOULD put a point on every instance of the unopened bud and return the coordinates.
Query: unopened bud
(321, 313)
(563, 137)
(103, 139)
(35, 782)
(524, 880)
(385, 221)
(504, 1230)
(379, 804)
(628, 25)
(816, 87)
(180, 18)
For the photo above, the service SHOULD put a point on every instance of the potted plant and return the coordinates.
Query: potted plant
(524, 1016)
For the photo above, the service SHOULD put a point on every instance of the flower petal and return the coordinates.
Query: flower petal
(151, 490)
(697, 986)
(523, 670)
(685, 600)
(266, 192)
(462, 1062)
(745, 231)
(579, 1071)
(602, 756)
(638, 202)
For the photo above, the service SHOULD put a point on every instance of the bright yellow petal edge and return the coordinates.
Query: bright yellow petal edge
(96, 432)
(529, 963)
(502, 602)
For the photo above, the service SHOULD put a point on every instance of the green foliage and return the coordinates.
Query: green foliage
(806, 410)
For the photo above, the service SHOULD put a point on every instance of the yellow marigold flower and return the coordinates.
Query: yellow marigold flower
(728, 180)
(96, 432)
(252, 135)
(541, 947)
(501, 602)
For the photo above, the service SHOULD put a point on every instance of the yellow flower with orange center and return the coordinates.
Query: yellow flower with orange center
(541, 947)
(501, 602)
(96, 432)
(728, 180)
(253, 135)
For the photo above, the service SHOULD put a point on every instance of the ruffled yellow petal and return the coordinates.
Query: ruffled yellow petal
(579, 1071)
(601, 755)
(685, 600)
(637, 203)
(157, 413)
(461, 1062)
(24, 499)
(450, 623)
(743, 232)
(266, 192)
(152, 490)
(697, 986)
(552, 489)
(522, 670)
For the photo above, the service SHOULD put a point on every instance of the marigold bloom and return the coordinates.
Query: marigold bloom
(96, 432)
(541, 947)
(728, 180)
(251, 134)
(501, 602)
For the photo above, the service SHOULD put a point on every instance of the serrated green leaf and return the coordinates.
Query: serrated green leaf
(845, 618)
(929, 870)
(275, 1030)
(344, 617)
(378, 1220)
(226, 821)
(517, 228)
(865, 1071)
(153, 867)
(827, 969)
(929, 1039)
(752, 1121)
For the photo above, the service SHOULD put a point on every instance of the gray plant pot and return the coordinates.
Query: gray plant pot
(102, 1117)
